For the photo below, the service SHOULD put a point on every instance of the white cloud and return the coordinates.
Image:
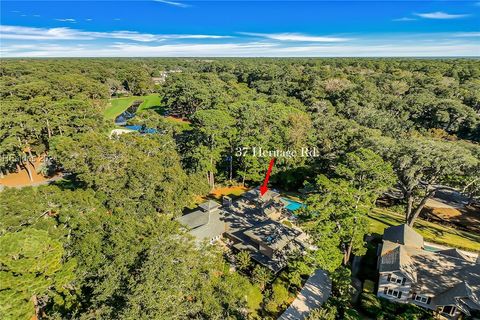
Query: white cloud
(467, 34)
(441, 15)
(88, 19)
(249, 49)
(172, 3)
(295, 37)
(404, 19)
(64, 33)
(18, 41)
(67, 20)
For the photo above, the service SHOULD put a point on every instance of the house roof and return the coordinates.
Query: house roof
(210, 205)
(403, 234)
(273, 234)
(194, 219)
(254, 195)
(461, 289)
(215, 227)
(437, 273)
(453, 252)
(395, 258)
(447, 275)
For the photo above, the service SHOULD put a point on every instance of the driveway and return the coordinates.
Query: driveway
(315, 292)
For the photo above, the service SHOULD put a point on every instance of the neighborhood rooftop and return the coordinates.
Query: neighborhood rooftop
(444, 278)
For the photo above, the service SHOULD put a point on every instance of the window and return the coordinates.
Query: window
(396, 279)
(422, 299)
(392, 293)
(449, 310)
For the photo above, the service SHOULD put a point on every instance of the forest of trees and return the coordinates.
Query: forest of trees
(103, 243)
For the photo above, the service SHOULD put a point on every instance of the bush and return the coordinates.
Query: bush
(370, 304)
(380, 308)
(369, 286)
(254, 299)
(326, 312)
(278, 299)
(352, 314)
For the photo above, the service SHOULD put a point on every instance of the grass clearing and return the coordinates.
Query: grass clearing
(382, 218)
(234, 191)
(181, 123)
(117, 105)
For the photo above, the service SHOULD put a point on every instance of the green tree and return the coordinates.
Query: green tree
(424, 166)
(326, 312)
(278, 298)
(33, 272)
(261, 276)
(244, 260)
(213, 133)
(369, 175)
(131, 172)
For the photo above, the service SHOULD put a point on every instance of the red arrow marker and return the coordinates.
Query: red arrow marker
(264, 188)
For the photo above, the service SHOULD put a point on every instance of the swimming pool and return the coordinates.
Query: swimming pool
(430, 248)
(292, 205)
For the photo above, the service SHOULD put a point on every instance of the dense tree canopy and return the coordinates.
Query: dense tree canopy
(103, 242)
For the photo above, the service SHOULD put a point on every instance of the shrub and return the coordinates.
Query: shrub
(278, 299)
(254, 299)
(370, 304)
(369, 286)
(380, 308)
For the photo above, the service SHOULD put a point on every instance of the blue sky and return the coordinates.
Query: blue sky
(239, 28)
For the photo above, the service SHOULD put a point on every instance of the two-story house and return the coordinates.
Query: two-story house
(447, 281)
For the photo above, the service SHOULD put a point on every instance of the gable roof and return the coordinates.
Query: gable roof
(403, 234)
(396, 258)
(461, 289)
(453, 252)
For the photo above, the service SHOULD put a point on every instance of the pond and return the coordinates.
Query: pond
(142, 129)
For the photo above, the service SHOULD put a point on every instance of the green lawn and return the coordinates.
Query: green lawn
(117, 105)
(382, 218)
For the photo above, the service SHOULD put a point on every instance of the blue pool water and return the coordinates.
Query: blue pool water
(431, 249)
(292, 205)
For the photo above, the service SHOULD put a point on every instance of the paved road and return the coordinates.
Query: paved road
(315, 292)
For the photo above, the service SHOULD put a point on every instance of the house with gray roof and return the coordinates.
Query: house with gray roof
(208, 223)
(247, 225)
(269, 242)
(262, 200)
(446, 281)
